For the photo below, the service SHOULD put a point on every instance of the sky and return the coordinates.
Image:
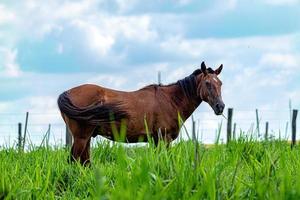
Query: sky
(47, 47)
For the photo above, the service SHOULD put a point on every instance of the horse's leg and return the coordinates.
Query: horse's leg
(81, 150)
(81, 146)
(85, 157)
(156, 140)
(82, 135)
(78, 148)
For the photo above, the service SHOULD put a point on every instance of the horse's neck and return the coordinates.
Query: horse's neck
(182, 103)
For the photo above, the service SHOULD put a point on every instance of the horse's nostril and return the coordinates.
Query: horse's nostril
(220, 107)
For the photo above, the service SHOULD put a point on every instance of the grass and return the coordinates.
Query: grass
(240, 170)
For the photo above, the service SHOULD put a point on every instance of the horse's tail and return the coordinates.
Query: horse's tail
(93, 114)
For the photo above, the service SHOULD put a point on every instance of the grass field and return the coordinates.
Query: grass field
(240, 170)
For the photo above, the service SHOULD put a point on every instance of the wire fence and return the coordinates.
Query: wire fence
(207, 126)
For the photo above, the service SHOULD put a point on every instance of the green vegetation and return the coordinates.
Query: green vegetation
(240, 170)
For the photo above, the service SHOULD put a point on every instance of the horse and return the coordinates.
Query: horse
(150, 112)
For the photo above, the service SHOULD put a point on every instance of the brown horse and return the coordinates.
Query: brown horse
(91, 110)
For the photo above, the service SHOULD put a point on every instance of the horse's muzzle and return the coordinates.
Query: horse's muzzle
(219, 108)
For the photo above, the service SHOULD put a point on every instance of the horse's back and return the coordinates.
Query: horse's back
(88, 94)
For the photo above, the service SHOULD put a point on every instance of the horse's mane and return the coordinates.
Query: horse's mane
(187, 84)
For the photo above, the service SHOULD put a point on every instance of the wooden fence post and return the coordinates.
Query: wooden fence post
(68, 137)
(159, 77)
(294, 127)
(19, 136)
(267, 131)
(257, 123)
(194, 129)
(25, 130)
(48, 134)
(195, 140)
(234, 131)
(229, 124)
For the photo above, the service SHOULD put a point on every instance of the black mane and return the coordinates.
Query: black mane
(188, 84)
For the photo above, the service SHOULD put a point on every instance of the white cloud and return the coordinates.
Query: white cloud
(279, 66)
(125, 5)
(133, 27)
(97, 40)
(98, 28)
(102, 31)
(180, 45)
(227, 47)
(53, 10)
(108, 80)
(281, 61)
(71, 10)
(6, 16)
(9, 64)
(45, 18)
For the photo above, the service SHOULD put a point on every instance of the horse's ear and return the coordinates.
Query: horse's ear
(219, 70)
(203, 68)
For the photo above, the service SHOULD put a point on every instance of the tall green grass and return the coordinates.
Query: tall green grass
(243, 169)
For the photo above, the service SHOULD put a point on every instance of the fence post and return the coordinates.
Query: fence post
(25, 130)
(229, 124)
(48, 134)
(294, 127)
(68, 137)
(19, 136)
(257, 123)
(193, 129)
(234, 131)
(159, 77)
(267, 131)
(195, 140)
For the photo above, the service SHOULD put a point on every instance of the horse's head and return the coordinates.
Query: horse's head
(209, 88)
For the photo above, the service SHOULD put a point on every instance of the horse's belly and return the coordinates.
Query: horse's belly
(130, 137)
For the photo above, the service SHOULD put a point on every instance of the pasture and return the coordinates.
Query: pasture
(242, 169)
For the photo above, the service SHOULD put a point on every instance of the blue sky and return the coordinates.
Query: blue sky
(50, 46)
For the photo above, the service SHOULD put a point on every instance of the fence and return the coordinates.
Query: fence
(34, 130)
(20, 129)
(266, 134)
